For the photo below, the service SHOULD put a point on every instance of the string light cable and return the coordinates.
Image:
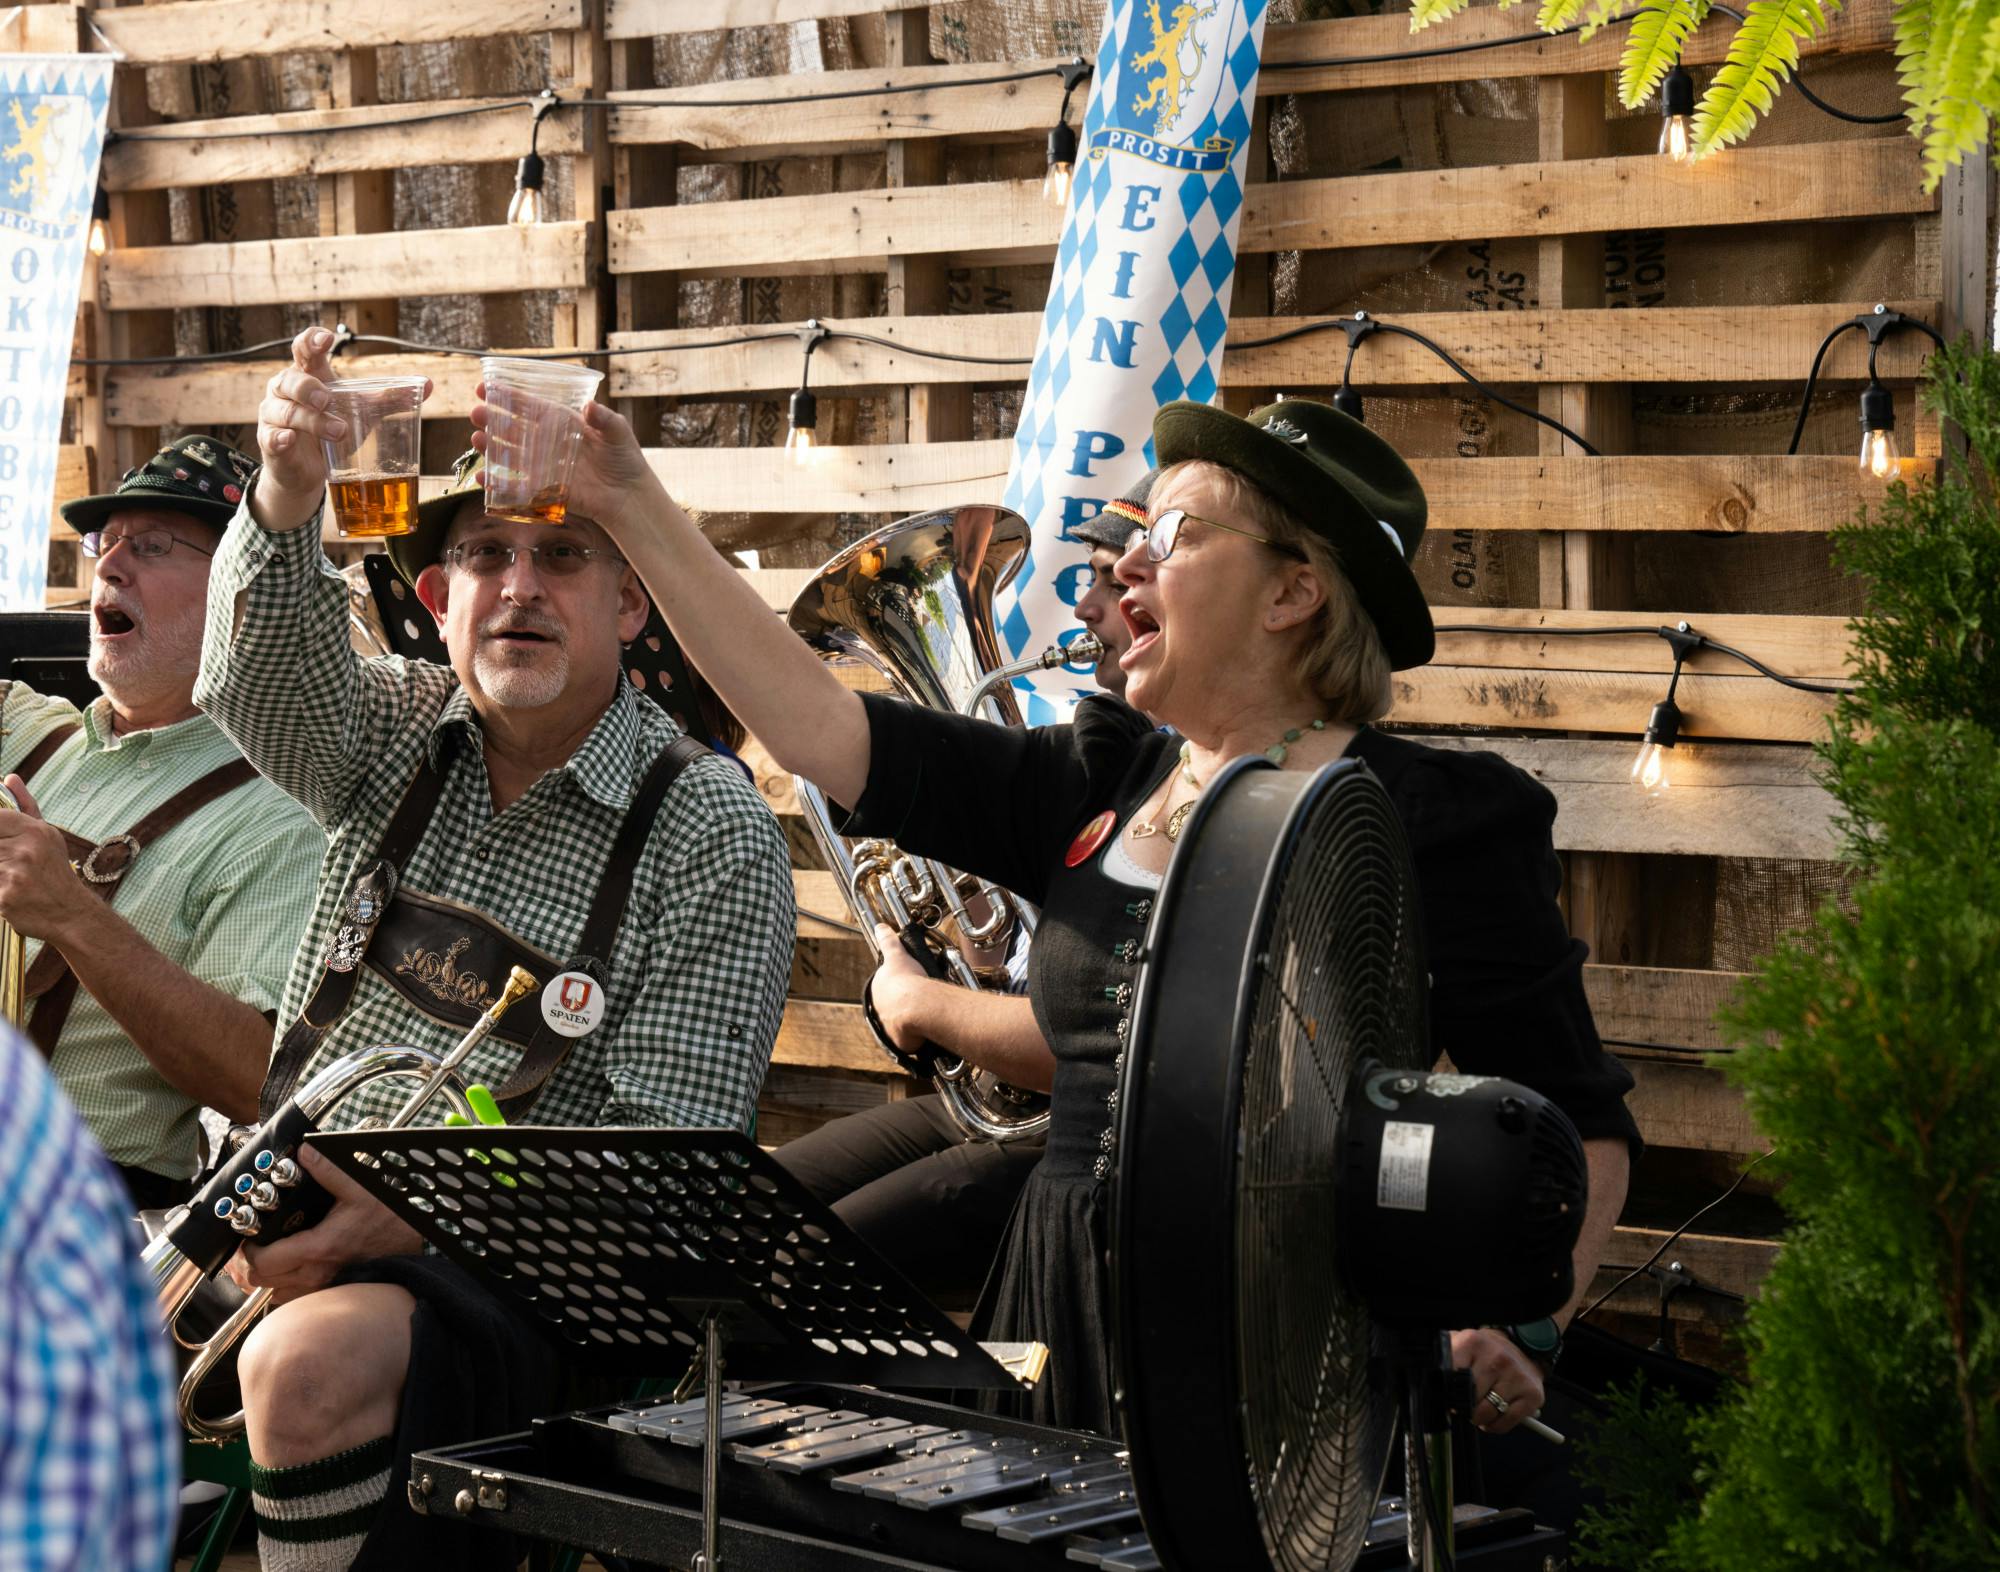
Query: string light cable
(1062, 138)
(524, 208)
(802, 422)
(1667, 1243)
(1878, 411)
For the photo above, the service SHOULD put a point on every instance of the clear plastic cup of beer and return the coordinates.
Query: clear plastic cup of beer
(533, 429)
(371, 472)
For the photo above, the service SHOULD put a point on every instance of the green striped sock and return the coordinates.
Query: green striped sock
(314, 1516)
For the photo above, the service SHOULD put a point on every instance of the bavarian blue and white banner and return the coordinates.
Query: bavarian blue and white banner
(1139, 302)
(52, 114)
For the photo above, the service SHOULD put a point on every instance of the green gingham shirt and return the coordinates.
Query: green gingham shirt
(698, 974)
(223, 895)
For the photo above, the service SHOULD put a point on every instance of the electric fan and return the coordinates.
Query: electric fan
(1298, 1205)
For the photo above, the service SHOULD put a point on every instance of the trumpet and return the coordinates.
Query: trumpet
(263, 1193)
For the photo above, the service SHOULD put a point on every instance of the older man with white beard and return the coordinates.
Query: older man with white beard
(522, 807)
(152, 960)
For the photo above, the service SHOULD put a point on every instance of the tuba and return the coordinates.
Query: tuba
(262, 1193)
(914, 603)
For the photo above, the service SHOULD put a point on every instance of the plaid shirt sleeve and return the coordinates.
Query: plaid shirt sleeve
(694, 1048)
(90, 1447)
(279, 675)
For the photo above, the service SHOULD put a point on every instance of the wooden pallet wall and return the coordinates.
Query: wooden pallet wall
(950, 191)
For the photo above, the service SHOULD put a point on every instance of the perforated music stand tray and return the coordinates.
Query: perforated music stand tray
(622, 1244)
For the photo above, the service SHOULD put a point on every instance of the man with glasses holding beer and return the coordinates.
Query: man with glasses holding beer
(161, 885)
(522, 807)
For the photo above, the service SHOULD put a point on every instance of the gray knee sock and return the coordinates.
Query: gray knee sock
(313, 1517)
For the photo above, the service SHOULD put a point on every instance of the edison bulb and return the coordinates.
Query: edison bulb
(100, 238)
(799, 441)
(1879, 454)
(1649, 769)
(1676, 139)
(526, 207)
(1055, 184)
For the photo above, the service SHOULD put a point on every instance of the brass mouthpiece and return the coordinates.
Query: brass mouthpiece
(520, 983)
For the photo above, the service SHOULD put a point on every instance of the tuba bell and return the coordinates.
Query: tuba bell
(913, 602)
(262, 1193)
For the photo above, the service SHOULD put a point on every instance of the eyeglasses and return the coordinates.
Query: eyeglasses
(152, 544)
(557, 560)
(1164, 533)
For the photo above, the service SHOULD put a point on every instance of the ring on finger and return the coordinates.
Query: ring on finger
(1498, 1401)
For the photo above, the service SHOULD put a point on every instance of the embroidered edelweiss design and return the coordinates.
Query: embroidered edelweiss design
(1287, 431)
(441, 975)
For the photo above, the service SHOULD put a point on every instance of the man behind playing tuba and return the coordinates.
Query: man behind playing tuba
(524, 807)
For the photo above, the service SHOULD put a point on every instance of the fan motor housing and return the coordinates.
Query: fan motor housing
(1460, 1200)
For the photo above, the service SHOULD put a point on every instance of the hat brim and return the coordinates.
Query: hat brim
(1382, 579)
(410, 554)
(89, 513)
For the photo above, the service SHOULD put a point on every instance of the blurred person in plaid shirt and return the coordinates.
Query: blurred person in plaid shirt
(523, 807)
(90, 1450)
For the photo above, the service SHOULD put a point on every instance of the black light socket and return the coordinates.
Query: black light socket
(1062, 144)
(1663, 726)
(1677, 92)
(1878, 408)
(805, 410)
(528, 173)
(1348, 402)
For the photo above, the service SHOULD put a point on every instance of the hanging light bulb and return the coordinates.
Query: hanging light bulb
(1880, 456)
(1347, 401)
(802, 433)
(1663, 730)
(525, 207)
(1676, 112)
(1062, 165)
(100, 223)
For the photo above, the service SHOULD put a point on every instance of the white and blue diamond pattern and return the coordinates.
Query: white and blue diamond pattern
(1139, 302)
(52, 118)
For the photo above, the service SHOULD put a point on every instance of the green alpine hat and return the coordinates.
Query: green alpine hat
(198, 476)
(1342, 481)
(412, 553)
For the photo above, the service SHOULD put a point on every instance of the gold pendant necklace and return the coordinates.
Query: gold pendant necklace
(1146, 829)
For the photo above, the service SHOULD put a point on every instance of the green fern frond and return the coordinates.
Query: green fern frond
(1659, 32)
(1507, 5)
(1555, 15)
(1599, 15)
(1763, 52)
(1424, 12)
(1961, 80)
(1913, 60)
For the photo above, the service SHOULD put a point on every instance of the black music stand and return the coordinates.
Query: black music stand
(635, 1247)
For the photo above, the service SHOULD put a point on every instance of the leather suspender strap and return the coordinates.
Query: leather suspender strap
(547, 1050)
(50, 982)
(335, 988)
(44, 750)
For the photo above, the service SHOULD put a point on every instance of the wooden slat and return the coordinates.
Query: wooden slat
(1693, 344)
(1021, 110)
(1818, 648)
(41, 29)
(1489, 700)
(1007, 221)
(1681, 1106)
(1718, 1260)
(490, 260)
(278, 148)
(1660, 1007)
(1729, 494)
(646, 18)
(1725, 801)
(230, 391)
(194, 30)
(72, 479)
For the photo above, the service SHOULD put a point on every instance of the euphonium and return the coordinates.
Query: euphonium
(262, 1192)
(13, 954)
(914, 602)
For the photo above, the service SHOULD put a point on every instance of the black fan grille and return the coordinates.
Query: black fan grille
(1339, 979)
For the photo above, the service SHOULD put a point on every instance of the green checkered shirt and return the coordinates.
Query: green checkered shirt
(223, 895)
(698, 974)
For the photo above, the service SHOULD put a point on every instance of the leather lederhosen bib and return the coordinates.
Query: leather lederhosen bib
(445, 958)
(50, 986)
